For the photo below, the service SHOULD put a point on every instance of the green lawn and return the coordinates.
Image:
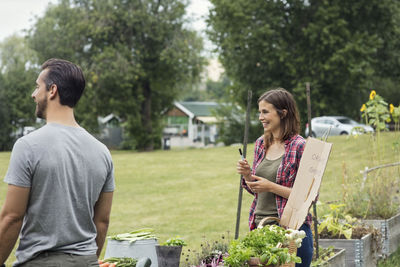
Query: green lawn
(193, 193)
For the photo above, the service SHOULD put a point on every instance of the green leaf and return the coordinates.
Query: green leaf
(347, 233)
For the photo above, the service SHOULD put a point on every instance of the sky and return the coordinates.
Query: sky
(16, 15)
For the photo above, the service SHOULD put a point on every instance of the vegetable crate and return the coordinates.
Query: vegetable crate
(358, 251)
(390, 230)
(138, 249)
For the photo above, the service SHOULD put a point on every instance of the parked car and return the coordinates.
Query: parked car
(339, 125)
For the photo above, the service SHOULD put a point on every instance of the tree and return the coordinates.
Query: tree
(218, 89)
(338, 46)
(137, 54)
(17, 81)
(5, 120)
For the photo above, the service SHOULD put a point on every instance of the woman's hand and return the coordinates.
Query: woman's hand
(259, 184)
(244, 169)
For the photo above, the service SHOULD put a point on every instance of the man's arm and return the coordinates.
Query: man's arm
(102, 211)
(11, 217)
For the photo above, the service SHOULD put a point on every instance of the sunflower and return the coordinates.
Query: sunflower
(363, 108)
(391, 108)
(372, 94)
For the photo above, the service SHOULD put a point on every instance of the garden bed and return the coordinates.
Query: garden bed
(359, 252)
(338, 259)
(390, 230)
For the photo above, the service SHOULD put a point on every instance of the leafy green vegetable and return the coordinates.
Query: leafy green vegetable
(265, 243)
(140, 234)
(337, 223)
(177, 241)
(122, 262)
(324, 255)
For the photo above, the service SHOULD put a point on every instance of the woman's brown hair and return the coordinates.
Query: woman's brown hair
(290, 122)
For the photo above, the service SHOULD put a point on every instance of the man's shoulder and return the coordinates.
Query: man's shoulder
(95, 143)
(34, 135)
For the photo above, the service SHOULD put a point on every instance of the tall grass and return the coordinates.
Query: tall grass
(193, 193)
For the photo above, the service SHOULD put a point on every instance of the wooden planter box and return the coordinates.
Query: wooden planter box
(390, 230)
(337, 260)
(358, 251)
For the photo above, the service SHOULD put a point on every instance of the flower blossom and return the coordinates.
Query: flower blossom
(372, 94)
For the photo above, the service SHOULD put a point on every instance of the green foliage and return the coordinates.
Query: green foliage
(264, 243)
(395, 111)
(324, 255)
(5, 120)
(210, 251)
(136, 55)
(392, 261)
(231, 124)
(238, 254)
(342, 48)
(375, 195)
(17, 81)
(218, 89)
(375, 198)
(376, 112)
(176, 241)
(337, 223)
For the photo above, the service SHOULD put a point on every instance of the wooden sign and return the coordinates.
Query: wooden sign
(307, 183)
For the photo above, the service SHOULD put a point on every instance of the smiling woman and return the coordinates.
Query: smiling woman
(276, 160)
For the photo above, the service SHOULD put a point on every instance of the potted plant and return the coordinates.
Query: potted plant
(266, 246)
(210, 254)
(169, 252)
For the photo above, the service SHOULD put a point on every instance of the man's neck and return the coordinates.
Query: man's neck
(63, 115)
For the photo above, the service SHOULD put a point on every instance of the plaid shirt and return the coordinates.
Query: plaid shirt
(285, 176)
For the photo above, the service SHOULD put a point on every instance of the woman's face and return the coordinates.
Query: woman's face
(269, 118)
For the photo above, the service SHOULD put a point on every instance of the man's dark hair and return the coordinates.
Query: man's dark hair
(69, 80)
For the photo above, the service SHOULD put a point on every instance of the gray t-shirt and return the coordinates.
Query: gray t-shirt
(66, 169)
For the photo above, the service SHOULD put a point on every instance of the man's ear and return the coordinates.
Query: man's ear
(53, 91)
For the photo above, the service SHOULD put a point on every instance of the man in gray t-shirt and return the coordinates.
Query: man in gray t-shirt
(60, 181)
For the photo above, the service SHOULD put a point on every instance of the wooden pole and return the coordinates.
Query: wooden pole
(309, 108)
(310, 134)
(246, 133)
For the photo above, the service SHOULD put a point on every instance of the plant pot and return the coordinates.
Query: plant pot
(168, 256)
(390, 230)
(140, 249)
(337, 260)
(359, 252)
(255, 262)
